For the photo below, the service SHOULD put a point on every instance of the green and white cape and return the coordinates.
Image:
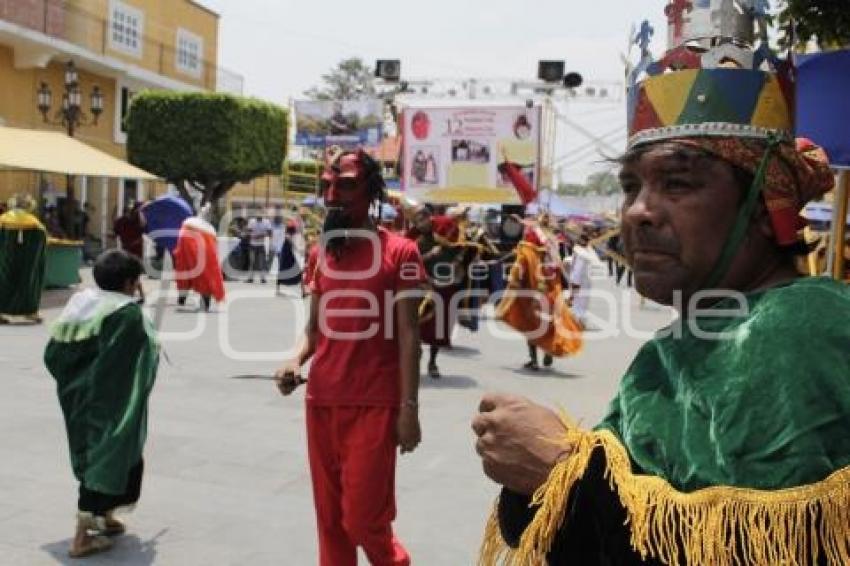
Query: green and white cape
(104, 355)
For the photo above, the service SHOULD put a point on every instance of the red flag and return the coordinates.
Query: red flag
(520, 182)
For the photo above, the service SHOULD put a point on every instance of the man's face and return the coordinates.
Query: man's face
(345, 192)
(679, 207)
(545, 220)
(422, 221)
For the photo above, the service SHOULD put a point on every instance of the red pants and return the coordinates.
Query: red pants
(352, 453)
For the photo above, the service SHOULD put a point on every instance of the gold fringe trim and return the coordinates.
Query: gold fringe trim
(721, 526)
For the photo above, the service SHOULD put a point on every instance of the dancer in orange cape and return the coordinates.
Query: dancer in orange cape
(533, 302)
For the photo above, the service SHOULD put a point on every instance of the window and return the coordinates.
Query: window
(126, 98)
(190, 51)
(124, 93)
(126, 28)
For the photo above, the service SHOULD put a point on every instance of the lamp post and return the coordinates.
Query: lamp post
(70, 115)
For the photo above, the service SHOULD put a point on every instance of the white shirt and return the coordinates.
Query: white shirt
(278, 236)
(258, 230)
(582, 263)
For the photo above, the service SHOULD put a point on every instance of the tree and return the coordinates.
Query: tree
(204, 141)
(603, 183)
(351, 79)
(571, 189)
(825, 21)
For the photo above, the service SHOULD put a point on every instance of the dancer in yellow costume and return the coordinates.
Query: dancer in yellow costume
(23, 243)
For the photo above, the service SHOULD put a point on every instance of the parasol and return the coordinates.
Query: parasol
(163, 218)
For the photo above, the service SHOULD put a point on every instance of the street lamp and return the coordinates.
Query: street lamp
(70, 115)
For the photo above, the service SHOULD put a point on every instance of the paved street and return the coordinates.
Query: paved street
(226, 473)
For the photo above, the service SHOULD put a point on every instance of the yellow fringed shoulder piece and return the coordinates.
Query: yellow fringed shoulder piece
(721, 526)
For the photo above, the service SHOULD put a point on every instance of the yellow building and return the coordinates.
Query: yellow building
(119, 46)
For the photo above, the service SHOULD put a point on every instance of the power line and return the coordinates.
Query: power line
(579, 160)
(582, 130)
(593, 145)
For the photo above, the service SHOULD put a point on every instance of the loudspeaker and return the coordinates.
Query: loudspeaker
(573, 80)
(550, 71)
(388, 69)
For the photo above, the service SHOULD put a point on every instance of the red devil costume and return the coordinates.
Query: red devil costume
(361, 401)
(446, 260)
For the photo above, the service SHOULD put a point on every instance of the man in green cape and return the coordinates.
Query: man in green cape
(23, 248)
(727, 442)
(103, 354)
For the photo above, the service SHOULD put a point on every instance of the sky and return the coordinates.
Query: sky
(281, 48)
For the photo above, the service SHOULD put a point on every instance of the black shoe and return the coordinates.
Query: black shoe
(434, 371)
(531, 365)
(250, 280)
(547, 361)
(181, 301)
(263, 280)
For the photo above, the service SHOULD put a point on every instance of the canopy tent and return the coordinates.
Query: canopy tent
(557, 206)
(55, 152)
(821, 213)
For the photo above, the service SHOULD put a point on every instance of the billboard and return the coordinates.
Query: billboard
(452, 154)
(338, 122)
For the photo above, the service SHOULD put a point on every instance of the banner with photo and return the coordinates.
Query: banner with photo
(338, 122)
(452, 154)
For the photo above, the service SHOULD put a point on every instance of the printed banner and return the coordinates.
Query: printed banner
(453, 154)
(338, 122)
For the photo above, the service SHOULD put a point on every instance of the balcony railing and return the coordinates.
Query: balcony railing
(59, 19)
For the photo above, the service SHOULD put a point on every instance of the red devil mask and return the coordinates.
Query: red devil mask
(344, 187)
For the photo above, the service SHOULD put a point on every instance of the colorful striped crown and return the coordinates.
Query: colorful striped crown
(709, 102)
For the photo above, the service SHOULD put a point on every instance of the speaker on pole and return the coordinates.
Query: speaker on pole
(550, 71)
(388, 69)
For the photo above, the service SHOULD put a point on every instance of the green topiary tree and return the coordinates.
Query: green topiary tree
(204, 141)
(827, 22)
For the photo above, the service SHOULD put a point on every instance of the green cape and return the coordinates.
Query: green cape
(724, 451)
(766, 408)
(23, 260)
(104, 358)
